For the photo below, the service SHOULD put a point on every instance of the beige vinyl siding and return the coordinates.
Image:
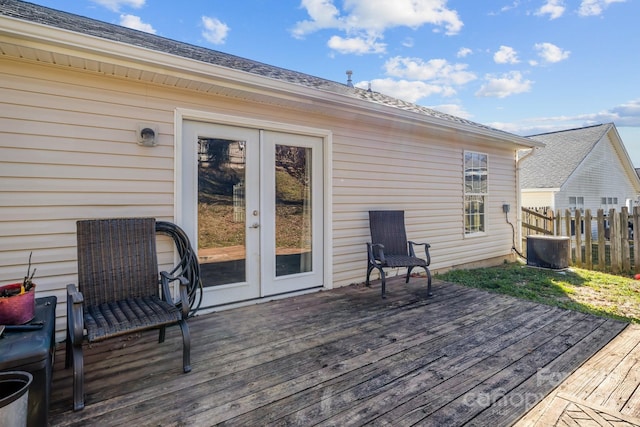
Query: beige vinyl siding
(538, 199)
(68, 151)
(422, 175)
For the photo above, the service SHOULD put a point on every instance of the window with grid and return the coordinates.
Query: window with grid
(607, 203)
(475, 192)
(576, 203)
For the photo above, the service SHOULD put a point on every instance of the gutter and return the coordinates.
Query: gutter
(519, 197)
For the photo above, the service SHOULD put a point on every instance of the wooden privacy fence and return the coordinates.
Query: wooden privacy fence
(602, 242)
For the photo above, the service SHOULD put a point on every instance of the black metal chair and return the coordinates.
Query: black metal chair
(389, 247)
(119, 291)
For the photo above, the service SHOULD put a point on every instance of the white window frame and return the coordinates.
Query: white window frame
(576, 202)
(607, 203)
(478, 177)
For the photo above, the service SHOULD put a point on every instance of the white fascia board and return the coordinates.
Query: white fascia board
(627, 163)
(539, 190)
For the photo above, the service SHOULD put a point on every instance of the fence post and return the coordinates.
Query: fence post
(587, 240)
(636, 239)
(614, 240)
(602, 249)
(578, 232)
(624, 239)
(567, 223)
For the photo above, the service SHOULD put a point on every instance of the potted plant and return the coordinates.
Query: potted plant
(17, 300)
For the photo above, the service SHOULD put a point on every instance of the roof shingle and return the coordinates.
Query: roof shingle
(551, 166)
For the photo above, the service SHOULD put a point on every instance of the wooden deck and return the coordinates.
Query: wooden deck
(341, 357)
(605, 391)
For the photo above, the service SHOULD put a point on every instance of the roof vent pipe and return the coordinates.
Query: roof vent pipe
(349, 82)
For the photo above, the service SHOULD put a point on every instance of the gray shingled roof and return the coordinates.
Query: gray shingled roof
(55, 18)
(551, 166)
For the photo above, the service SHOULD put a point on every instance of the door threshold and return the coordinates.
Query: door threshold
(229, 306)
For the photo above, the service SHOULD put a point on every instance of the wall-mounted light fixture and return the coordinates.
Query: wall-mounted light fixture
(147, 135)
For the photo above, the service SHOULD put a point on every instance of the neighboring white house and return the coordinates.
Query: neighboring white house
(585, 168)
(75, 94)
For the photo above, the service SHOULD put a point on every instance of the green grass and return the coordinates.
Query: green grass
(219, 227)
(586, 291)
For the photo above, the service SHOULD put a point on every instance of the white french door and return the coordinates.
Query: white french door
(292, 204)
(252, 206)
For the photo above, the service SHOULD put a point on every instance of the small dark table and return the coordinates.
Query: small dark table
(33, 352)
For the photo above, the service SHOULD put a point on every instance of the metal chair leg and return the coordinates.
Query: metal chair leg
(186, 346)
(384, 283)
(68, 359)
(408, 274)
(78, 378)
(369, 270)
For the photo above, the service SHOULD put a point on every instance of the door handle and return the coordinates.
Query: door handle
(254, 225)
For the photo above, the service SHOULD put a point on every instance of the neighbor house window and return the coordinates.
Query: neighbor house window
(576, 203)
(475, 192)
(607, 203)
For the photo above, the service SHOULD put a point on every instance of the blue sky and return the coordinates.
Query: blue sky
(524, 66)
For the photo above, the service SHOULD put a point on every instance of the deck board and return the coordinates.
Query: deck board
(341, 357)
(606, 388)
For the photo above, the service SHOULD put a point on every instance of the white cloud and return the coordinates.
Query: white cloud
(323, 15)
(453, 109)
(464, 52)
(377, 15)
(438, 71)
(115, 5)
(554, 8)
(410, 91)
(505, 85)
(507, 8)
(132, 21)
(369, 19)
(356, 45)
(551, 53)
(595, 7)
(627, 114)
(214, 31)
(506, 55)
(408, 42)
(412, 79)
(623, 115)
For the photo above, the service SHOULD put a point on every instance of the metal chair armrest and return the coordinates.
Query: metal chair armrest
(426, 250)
(75, 316)
(165, 279)
(370, 250)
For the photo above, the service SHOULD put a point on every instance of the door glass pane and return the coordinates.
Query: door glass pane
(293, 210)
(221, 211)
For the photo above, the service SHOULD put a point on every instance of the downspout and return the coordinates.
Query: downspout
(519, 198)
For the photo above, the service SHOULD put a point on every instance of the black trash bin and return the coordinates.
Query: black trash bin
(14, 398)
(33, 351)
